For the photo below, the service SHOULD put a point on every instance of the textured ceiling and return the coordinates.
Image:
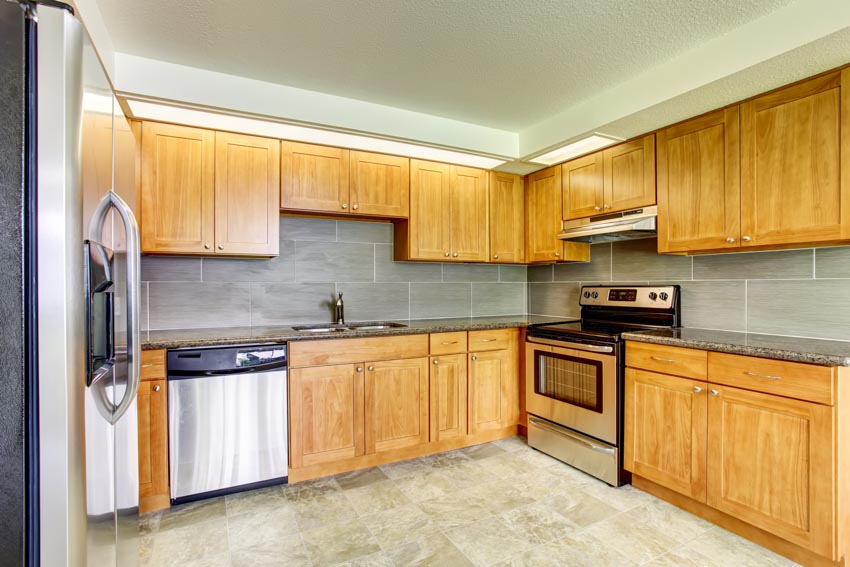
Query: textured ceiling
(503, 64)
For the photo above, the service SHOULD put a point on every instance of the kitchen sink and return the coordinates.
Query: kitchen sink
(321, 328)
(374, 326)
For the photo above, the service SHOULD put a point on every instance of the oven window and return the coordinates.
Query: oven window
(569, 379)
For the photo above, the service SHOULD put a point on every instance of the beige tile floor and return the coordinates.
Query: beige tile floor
(500, 503)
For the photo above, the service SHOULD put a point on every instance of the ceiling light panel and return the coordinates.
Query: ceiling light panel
(595, 141)
(165, 113)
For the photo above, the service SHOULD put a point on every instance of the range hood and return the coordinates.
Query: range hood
(626, 225)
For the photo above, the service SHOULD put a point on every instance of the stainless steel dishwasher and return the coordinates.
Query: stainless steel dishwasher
(227, 420)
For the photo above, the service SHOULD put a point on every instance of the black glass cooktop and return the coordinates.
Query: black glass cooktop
(607, 330)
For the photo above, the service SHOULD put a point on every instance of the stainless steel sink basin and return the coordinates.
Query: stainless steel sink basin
(376, 326)
(373, 326)
(321, 328)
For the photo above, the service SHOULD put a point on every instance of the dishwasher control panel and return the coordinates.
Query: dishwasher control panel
(258, 356)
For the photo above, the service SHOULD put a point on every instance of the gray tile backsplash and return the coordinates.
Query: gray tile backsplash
(804, 293)
(319, 258)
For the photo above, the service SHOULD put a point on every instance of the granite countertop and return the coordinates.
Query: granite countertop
(811, 351)
(180, 338)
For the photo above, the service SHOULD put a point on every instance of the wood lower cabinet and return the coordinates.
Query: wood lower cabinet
(493, 390)
(326, 414)
(771, 464)
(396, 404)
(379, 185)
(507, 218)
(543, 220)
(665, 431)
(448, 396)
(247, 208)
(314, 178)
(177, 189)
(152, 403)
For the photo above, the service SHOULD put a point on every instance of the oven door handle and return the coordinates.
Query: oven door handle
(567, 433)
(576, 346)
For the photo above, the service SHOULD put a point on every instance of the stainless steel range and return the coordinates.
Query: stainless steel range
(574, 370)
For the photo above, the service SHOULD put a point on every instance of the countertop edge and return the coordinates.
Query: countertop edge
(819, 359)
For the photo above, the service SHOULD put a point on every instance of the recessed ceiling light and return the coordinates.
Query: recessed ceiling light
(204, 119)
(586, 145)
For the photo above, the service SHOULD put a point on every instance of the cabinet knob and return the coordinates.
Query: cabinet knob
(345, 205)
(221, 246)
(356, 206)
(746, 239)
(454, 255)
(371, 368)
(557, 254)
(697, 389)
(495, 256)
(206, 246)
(606, 207)
(730, 240)
(359, 369)
(436, 362)
(446, 254)
(714, 392)
(597, 208)
(157, 388)
(474, 358)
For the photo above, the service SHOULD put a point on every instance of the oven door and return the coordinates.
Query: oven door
(574, 387)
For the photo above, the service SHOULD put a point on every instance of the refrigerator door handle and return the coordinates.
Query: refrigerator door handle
(134, 351)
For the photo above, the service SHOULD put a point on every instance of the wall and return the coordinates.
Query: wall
(318, 258)
(802, 293)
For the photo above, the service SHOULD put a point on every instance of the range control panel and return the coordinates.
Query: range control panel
(658, 297)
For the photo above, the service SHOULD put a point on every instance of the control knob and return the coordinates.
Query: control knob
(587, 295)
(663, 296)
(594, 295)
(653, 296)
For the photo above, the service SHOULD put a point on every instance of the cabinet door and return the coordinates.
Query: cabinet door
(543, 216)
(178, 189)
(630, 175)
(771, 464)
(665, 431)
(493, 390)
(507, 218)
(469, 215)
(247, 199)
(448, 396)
(380, 185)
(699, 192)
(326, 414)
(313, 178)
(396, 404)
(429, 233)
(791, 188)
(582, 181)
(153, 445)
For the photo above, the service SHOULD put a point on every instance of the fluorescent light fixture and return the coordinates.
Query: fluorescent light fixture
(95, 102)
(190, 117)
(586, 145)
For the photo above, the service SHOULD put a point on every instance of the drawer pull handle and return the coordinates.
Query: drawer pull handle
(488, 340)
(765, 376)
(448, 343)
(149, 364)
(659, 359)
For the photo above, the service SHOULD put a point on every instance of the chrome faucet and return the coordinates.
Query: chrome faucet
(339, 311)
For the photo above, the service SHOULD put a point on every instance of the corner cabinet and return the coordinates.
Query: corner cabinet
(543, 221)
(211, 193)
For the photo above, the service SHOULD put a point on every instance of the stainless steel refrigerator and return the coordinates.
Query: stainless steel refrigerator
(69, 350)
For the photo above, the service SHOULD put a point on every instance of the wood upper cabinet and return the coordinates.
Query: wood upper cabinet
(379, 184)
(543, 220)
(396, 404)
(314, 178)
(793, 189)
(178, 189)
(247, 208)
(771, 463)
(665, 431)
(469, 215)
(629, 175)
(448, 214)
(507, 218)
(699, 198)
(326, 414)
(448, 396)
(494, 388)
(582, 182)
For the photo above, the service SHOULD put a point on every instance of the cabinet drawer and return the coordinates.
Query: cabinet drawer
(497, 339)
(153, 364)
(666, 359)
(779, 377)
(349, 351)
(448, 343)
